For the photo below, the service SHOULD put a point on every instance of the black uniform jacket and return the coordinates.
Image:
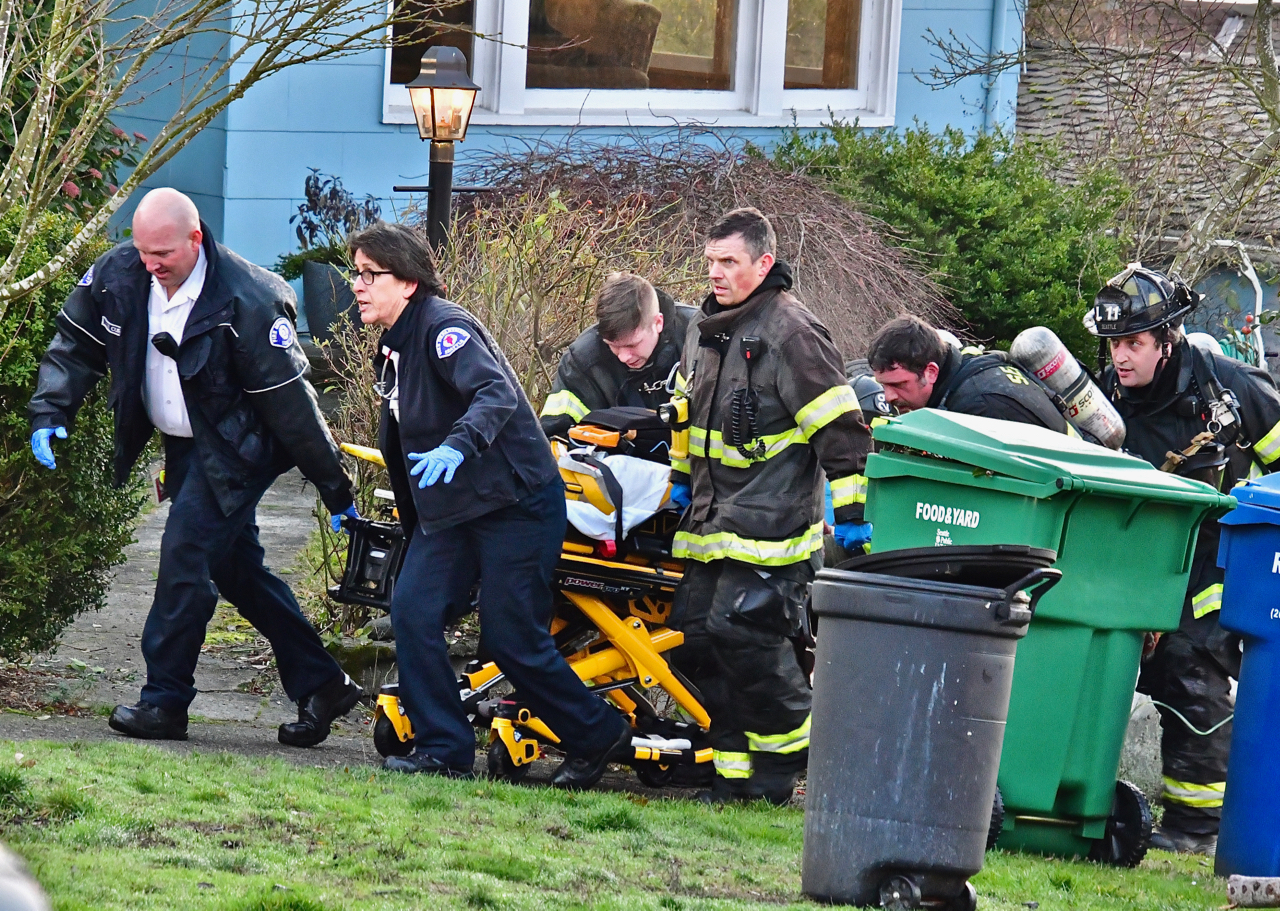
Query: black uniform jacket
(455, 387)
(1163, 416)
(989, 385)
(590, 377)
(244, 375)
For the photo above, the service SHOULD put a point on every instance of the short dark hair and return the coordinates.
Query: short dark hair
(755, 229)
(908, 342)
(625, 302)
(402, 252)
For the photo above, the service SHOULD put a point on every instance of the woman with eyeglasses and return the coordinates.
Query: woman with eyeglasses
(480, 498)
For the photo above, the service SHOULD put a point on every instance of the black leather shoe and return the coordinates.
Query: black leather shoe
(148, 722)
(583, 772)
(421, 762)
(317, 712)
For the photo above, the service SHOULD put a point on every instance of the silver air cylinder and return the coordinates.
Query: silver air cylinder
(1041, 353)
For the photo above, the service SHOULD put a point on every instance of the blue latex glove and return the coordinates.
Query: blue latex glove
(443, 460)
(853, 536)
(335, 522)
(680, 494)
(40, 447)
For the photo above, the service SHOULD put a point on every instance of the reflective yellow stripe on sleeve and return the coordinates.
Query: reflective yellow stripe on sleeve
(826, 408)
(1268, 448)
(790, 742)
(1207, 601)
(682, 385)
(1191, 794)
(732, 765)
(847, 491)
(565, 402)
(723, 545)
(681, 465)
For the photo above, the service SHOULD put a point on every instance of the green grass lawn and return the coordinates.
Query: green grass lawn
(123, 826)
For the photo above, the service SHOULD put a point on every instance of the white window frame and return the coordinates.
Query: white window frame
(758, 98)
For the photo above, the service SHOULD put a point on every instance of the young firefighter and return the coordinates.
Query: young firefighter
(770, 411)
(626, 358)
(1169, 392)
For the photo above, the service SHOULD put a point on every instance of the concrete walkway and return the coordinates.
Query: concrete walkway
(98, 663)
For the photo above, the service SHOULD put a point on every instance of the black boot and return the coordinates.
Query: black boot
(1164, 839)
(773, 775)
(317, 712)
(421, 762)
(726, 791)
(583, 772)
(148, 722)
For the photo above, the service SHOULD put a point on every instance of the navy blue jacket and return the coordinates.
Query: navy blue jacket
(455, 387)
(244, 375)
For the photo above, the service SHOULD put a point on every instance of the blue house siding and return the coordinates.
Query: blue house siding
(246, 174)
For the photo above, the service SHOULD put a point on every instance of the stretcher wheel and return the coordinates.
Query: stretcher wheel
(652, 775)
(500, 765)
(385, 739)
(1128, 832)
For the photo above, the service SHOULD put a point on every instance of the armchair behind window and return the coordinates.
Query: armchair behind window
(594, 44)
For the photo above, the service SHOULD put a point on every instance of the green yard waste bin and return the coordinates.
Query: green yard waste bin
(1125, 534)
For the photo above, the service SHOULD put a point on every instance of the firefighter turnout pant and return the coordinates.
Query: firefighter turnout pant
(1190, 673)
(741, 624)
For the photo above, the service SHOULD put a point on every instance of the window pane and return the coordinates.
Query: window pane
(631, 44)
(822, 44)
(431, 25)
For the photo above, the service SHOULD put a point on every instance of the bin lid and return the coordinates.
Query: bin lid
(1043, 458)
(985, 565)
(1259, 503)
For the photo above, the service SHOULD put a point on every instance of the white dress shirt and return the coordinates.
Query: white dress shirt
(162, 391)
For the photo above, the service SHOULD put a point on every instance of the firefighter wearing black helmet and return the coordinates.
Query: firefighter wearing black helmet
(1202, 415)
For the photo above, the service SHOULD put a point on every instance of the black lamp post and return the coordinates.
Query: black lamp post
(442, 97)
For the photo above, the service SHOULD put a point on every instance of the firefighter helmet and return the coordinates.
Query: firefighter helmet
(1138, 300)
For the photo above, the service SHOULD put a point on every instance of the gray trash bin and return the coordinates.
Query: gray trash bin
(911, 690)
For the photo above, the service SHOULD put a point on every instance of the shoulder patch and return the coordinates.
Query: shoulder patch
(450, 340)
(87, 279)
(281, 334)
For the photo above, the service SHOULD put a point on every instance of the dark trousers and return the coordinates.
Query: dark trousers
(512, 552)
(739, 652)
(1190, 672)
(203, 548)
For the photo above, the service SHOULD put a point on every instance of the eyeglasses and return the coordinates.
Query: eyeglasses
(368, 276)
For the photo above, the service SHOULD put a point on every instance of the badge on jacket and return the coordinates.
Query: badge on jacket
(87, 279)
(450, 340)
(281, 335)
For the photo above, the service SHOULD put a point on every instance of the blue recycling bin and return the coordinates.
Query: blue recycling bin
(1249, 839)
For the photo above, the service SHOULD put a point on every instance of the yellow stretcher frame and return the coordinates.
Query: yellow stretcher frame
(633, 651)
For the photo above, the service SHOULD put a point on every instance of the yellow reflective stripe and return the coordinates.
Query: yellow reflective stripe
(732, 765)
(723, 545)
(1207, 601)
(847, 491)
(712, 446)
(1191, 794)
(826, 408)
(565, 402)
(682, 385)
(1072, 432)
(878, 422)
(790, 742)
(1268, 448)
(681, 465)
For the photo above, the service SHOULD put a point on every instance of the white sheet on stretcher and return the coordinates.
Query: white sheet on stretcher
(644, 488)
